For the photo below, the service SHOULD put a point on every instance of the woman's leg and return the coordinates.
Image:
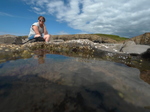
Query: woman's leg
(47, 37)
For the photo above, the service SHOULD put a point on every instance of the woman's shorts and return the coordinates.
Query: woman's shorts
(31, 37)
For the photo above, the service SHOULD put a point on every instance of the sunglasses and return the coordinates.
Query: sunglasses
(41, 20)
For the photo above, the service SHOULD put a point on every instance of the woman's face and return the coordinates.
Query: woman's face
(41, 21)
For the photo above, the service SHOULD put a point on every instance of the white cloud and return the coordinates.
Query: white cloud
(36, 9)
(5, 14)
(121, 17)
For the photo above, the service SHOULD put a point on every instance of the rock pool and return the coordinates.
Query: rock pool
(58, 83)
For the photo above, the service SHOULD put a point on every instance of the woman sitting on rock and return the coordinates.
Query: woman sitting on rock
(38, 29)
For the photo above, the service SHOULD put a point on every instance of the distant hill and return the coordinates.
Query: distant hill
(142, 39)
(115, 37)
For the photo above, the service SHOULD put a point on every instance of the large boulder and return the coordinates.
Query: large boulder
(131, 48)
(7, 39)
(11, 39)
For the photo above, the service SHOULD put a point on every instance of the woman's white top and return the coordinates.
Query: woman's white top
(41, 30)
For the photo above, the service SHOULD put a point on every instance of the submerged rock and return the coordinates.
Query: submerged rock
(74, 73)
(145, 75)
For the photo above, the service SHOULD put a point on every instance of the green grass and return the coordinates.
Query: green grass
(115, 37)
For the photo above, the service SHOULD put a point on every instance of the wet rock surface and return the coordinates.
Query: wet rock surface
(84, 46)
(60, 98)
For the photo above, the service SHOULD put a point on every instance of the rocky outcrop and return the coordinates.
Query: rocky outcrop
(8, 39)
(11, 39)
(94, 38)
(132, 48)
(142, 39)
(95, 41)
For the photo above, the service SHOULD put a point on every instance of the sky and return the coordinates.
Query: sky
(126, 18)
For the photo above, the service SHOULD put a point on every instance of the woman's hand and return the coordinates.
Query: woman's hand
(37, 35)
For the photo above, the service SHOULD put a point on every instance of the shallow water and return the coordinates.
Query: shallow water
(57, 83)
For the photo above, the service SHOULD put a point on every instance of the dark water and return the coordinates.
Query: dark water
(57, 83)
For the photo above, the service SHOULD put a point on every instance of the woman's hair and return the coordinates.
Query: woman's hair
(42, 18)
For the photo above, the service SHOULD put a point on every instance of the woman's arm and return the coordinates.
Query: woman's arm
(45, 30)
(36, 30)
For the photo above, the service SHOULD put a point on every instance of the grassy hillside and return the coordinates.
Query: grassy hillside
(115, 37)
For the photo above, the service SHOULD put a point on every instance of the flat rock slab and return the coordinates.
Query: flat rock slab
(137, 49)
(109, 47)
